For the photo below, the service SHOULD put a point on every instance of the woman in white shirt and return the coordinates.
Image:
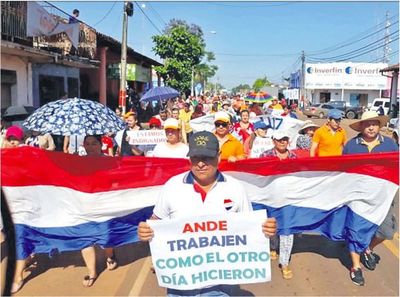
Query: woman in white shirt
(173, 148)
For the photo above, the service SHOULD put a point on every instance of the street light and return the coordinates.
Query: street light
(128, 11)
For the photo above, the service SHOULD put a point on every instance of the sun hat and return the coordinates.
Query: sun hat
(335, 114)
(307, 124)
(222, 116)
(171, 123)
(260, 125)
(226, 102)
(279, 134)
(369, 115)
(203, 143)
(15, 131)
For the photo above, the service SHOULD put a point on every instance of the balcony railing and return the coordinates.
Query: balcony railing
(13, 28)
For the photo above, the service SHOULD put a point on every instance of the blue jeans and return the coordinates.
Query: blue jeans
(220, 290)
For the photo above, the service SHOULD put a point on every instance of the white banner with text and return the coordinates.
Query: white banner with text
(196, 252)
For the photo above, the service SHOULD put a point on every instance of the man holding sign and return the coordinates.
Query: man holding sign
(203, 191)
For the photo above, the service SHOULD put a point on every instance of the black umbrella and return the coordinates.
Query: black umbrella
(17, 113)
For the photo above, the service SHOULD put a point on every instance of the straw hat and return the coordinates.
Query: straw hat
(369, 115)
(307, 124)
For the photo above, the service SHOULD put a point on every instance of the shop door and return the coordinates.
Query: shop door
(324, 97)
(354, 99)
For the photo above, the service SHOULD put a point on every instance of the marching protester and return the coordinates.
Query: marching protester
(304, 140)
(329, 139)
(13, 138)
(162, 116)
(175, 115)
(124, 147)
(200, 190)
(259, 141)
(43, 141)
(185, 115)
(231, 148)
(74, 144)
(243, 128)
(107, 144)
(173, 148)
(369, 140)
(92, 145)
(198, 111)
(285, 244)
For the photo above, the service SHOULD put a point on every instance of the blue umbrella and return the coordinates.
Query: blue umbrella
(74, 117)
(159, 93)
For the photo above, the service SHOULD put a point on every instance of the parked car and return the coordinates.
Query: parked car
(384, 102)
(319, 110)
(350, 112)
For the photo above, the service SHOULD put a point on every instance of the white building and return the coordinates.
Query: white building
(355, 83)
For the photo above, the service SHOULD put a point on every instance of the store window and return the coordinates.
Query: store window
(8, 87)
(324, 97)
(51, 88)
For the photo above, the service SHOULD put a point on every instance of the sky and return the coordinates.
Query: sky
(256, 39)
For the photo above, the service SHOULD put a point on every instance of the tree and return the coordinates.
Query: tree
(182, 48)
(260, 83)
(204, 71)
(242, 88)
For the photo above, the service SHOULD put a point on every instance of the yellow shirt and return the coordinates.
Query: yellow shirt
(330, 143)
(185, 117)
(232, 147)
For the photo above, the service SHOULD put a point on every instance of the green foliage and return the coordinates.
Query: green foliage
(260, 83)
(205, 70)
(182, 48)
(242, 88)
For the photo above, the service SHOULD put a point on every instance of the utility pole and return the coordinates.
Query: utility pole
(303, 66)
(386, 49)
(192, 83)
(128, 11)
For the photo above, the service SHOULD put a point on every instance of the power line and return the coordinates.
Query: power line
(156, 13)
(354, 51)
(365, 37)
(351, 40)
(147, 17)
(257, 55)
(362, 54)
(106, 15)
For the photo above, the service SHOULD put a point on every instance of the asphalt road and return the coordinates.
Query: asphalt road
(320, 268)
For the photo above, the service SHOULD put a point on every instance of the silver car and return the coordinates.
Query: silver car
(319, 110)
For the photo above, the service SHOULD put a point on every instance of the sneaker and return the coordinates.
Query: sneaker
(368, 259)
(377, 257)
(357, 277)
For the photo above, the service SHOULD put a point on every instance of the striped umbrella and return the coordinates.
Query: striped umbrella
(258, 97)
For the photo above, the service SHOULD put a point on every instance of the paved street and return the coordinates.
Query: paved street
(320, 268)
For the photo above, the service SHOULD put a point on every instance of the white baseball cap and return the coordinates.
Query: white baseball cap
(171, 123)
(279, 134)
(222, 116)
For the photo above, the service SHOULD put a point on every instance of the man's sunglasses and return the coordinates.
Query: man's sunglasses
(219, 124)
(154, 126)
(336, 120)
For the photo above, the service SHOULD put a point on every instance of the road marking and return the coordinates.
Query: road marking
(392, 246)
(144, 271)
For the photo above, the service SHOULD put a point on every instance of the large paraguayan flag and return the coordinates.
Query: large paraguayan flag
(63, 202)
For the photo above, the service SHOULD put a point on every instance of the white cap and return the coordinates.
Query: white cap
(222, 116)
(279, 134)
(171, 123)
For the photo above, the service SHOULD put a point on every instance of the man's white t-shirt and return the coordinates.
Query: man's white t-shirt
(166, 150)
(178, 197)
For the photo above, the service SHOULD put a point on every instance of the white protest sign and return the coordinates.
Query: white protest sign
(291, 125)
(260, 145)
(141, 137)
(192, 253)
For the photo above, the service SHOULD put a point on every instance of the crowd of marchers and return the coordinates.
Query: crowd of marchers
(240, 133)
